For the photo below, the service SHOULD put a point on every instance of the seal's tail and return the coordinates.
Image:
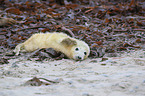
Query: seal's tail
(18, 48)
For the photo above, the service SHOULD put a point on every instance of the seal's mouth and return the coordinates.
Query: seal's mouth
(78, 58)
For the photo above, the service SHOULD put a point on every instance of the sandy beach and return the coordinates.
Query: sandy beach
(118, 76)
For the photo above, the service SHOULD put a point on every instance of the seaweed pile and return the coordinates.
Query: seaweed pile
(110, 26)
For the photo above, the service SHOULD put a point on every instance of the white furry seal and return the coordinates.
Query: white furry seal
(71, 47)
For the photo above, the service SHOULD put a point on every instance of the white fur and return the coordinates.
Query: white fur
(59, 42)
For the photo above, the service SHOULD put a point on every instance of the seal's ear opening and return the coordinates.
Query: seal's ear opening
(69, 42)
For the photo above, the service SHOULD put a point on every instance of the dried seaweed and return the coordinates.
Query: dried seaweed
(38, 82)
(107, 26)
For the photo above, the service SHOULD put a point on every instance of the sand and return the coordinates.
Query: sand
(117, 76)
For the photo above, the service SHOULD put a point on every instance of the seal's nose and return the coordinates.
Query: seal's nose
(79, 57)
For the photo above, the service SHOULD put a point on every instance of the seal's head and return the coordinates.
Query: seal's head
(80, 51)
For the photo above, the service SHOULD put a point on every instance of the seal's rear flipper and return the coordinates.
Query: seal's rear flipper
(18, 49)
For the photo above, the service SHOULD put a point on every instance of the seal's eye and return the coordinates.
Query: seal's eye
(77, 49)
(85, 53)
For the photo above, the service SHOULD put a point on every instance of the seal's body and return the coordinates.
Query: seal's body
(71, 47)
